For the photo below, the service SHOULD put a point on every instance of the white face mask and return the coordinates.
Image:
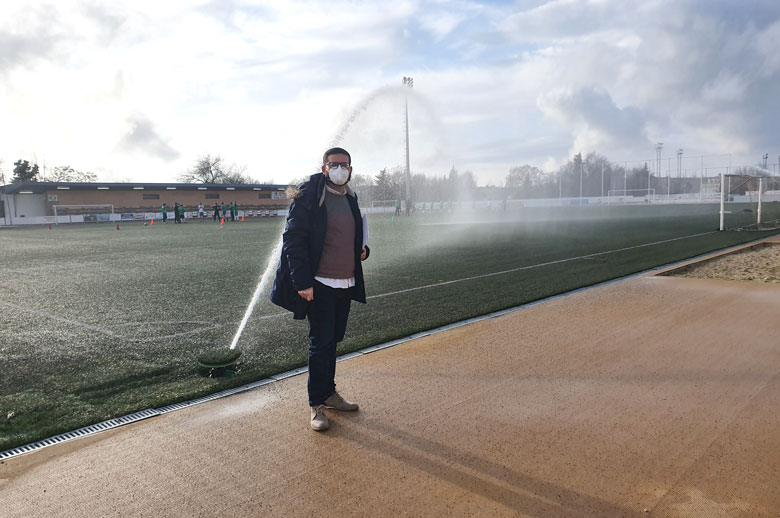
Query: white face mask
(338, 175)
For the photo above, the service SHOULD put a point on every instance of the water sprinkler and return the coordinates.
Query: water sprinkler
(219, 362)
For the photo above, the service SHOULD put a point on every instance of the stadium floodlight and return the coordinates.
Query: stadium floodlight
(102, 188)
(63, 188)
(202, 188)
(407, 81)
(679, 162)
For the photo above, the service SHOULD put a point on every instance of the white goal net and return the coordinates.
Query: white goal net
(97, 213)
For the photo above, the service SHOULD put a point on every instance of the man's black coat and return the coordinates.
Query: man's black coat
(303, 240)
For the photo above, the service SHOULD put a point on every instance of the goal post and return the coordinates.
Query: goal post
(90, 213)
(749, 202)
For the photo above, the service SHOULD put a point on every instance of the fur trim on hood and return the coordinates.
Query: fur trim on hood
(294, 193)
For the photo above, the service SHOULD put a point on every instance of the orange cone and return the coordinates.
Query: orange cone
(117, 226)
(49, 227)
(223, 222)
(242, 218)
(152, 223)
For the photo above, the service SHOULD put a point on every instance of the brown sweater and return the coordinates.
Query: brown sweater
(338, 252)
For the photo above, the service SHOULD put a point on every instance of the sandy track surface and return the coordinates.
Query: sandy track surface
(653, 393)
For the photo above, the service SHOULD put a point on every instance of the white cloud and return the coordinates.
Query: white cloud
(269, 84)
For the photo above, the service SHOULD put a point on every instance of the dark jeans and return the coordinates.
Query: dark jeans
(327, 315)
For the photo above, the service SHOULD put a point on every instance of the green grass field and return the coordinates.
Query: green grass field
(97, 323)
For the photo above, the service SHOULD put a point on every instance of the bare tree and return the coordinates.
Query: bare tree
(210, 168)
(67, 174)
(207, 169)
(238, 175)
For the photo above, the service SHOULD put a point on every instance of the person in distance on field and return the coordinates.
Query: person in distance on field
(320, 272)
(201, 212)
(216, 211)
(164, 210)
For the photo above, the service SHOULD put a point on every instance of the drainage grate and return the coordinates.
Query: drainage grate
(289, 374)
(349, 356)
(81, 432)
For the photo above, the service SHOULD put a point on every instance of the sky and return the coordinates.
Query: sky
(137, 90)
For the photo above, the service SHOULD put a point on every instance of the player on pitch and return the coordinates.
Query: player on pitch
(320, 274)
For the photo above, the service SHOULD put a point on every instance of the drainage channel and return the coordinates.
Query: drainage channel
(152, 412)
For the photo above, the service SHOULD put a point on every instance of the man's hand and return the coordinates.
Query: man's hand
(307, 294)
(363, 255)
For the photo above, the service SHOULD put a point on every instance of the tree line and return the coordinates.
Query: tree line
(25, 172)
(591, 175)
(588, 176)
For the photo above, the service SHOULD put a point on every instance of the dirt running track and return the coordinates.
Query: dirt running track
(653, 396)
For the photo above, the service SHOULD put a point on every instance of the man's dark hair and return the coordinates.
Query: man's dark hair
(335, 151)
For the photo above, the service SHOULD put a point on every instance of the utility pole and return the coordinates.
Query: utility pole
(765, 158)
(408, 81)
(658, 148)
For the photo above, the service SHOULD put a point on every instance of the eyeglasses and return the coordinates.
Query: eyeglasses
(334, 165)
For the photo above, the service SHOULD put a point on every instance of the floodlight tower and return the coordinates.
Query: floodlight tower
(679, 162)
(765, 158)
(407, 81)
(658, 148)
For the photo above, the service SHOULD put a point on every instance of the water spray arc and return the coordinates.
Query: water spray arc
(269, 269)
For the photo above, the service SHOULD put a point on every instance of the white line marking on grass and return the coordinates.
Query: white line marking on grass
(536, 265)
(44, 314)
(206, 327)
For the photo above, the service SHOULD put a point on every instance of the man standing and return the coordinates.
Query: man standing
(319, 272)
(164, 211)
(216, 211)
(201, 212)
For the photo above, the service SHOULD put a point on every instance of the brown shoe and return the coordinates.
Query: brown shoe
(319, 421)
(336, 402)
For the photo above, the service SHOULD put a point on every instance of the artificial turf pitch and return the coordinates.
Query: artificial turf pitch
(96, 323)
